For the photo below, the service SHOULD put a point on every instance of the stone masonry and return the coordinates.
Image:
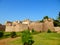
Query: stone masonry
(27, 24)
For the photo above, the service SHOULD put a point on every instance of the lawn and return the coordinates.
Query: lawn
(41, 39)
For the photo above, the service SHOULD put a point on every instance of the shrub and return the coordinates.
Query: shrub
(49, 31)
(1, 34)
(13, 34)
(33, 30)
(27, 38)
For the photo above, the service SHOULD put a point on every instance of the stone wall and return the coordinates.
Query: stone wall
(36, 26)
(20, 27)
(48, 24)
(15, 26)
(26, 24)
(57, 29)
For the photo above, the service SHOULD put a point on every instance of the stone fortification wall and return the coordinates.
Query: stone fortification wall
(8, 26)
(26, 24)
(57, 29)
(48, 24)
(37, 26)
(14, 26)
(20, 27)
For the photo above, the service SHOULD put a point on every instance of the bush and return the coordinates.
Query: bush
(1, 34)
(49, 31)
(13, 34)
(35, 32)
(27, 38)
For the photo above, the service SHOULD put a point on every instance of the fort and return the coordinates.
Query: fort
(38, 26)
(27, 24)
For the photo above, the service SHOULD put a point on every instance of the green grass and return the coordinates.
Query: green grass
(41, 39)
(47, 39)
(8, 34)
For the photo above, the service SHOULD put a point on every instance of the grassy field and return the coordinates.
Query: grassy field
(41, 39)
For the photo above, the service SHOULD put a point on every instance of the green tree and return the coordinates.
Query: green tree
(46, 17)
(58, 17)
(27, 38)
(1, 34)
(13, 34)
(57, 21)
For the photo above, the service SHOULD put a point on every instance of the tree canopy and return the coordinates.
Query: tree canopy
(58, 17)
(46, 17)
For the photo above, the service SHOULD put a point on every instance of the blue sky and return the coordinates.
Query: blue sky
(11, 10)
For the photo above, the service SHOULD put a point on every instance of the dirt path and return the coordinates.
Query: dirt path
(4, 41)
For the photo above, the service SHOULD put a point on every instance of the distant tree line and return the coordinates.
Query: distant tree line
(57, 21)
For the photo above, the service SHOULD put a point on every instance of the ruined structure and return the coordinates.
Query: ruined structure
(57, 29)
(27, 24)
(48, 24)
(15, 26)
